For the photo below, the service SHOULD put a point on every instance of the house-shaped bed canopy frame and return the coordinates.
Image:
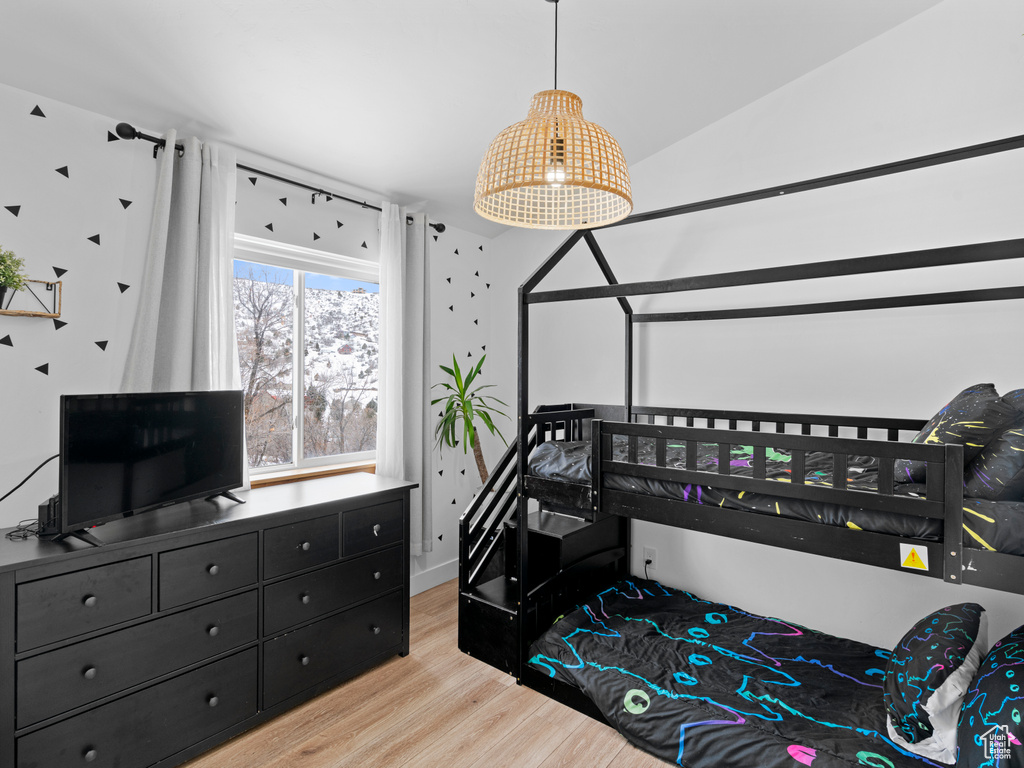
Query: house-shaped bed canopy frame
(484, 522)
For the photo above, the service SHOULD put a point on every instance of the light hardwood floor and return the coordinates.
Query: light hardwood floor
(436, 707)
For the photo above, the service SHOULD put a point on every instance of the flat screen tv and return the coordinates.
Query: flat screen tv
(126, 453)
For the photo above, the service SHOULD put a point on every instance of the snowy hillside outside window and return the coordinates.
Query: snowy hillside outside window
(311, 338)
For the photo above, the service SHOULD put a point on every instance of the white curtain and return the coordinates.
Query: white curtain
(183, 338)
(403, 391)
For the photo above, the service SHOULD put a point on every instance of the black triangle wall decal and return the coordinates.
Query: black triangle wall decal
(488, 286)
(315, 237)
(484, 347)
(59, 272)
(449, 280)
(462, 472)
(123, 287)
(472, 295)
(435, 238)
(456, 251)
(124, 203)
(38, 112)
(102, 345)
(476, 274)
(112, 136)
(95, 239)
(252, 180)
(63, 171)
(270, 226)
(15, 209)
(45, 367)
(453, 501)
(363, 245)
(451, 308)
(441, 537)
(6, 341)
(440, 472)
(58, 324)
(284, 201)
(481, 247)
(476, 322)
(469, 354)
(340, 224)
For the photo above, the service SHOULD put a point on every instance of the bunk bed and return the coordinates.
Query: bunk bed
(883, 492)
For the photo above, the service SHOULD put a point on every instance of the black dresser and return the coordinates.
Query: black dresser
(196, 622)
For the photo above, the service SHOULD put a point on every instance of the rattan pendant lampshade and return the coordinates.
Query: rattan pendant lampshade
(554, 170)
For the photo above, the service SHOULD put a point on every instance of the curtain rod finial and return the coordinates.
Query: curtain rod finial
(126, 131)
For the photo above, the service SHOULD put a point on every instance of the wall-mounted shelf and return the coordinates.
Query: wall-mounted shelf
(39, 299)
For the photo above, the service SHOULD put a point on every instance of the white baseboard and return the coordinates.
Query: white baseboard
(432, 577)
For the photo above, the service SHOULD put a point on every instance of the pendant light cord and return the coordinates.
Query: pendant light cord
(556, 45)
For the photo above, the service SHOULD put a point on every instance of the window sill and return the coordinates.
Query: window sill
(298, 475)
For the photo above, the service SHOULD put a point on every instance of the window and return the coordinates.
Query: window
(307, 327)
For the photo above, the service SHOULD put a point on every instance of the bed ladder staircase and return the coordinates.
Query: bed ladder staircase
(559, 540)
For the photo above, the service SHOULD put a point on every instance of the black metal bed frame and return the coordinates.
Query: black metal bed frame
(945, 462)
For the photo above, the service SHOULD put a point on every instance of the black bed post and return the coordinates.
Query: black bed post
(628, 346)
(523, 524)
(523, 442)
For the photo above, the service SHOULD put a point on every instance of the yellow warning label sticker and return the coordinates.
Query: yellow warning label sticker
(913, 557)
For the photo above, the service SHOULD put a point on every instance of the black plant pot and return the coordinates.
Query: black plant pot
(3, 295)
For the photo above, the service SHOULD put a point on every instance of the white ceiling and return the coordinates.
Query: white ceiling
(402, 97)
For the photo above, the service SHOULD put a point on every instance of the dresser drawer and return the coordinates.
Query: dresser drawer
(204, 570)
(74, 603)
(150, 725)
(372, 527)
(102, 666)
(302, 659)
(306, 597)
(292, 548)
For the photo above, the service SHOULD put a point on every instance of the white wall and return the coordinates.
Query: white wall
(945, 79)
(462, 286)
(56, 214)
(108, 191)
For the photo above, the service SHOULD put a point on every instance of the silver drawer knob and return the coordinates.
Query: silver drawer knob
(376, 575)
(213, 630)
(305, 546)
(305, 598)
(89, 601)
(375, 629)
(89, 754)
(89, 673)
(304, 660)
(213, 570)
(376, 529)
(212, 700)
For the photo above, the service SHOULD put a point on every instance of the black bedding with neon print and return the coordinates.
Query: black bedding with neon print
(703, 684)
(992, 525)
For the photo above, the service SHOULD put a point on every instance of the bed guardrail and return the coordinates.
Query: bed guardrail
(943, 499)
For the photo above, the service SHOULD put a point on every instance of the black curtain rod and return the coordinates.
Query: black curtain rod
(127, 131)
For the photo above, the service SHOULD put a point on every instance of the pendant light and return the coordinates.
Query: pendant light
(554, 170)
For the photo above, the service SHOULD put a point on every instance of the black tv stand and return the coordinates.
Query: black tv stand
(83, 535)
(227, 495)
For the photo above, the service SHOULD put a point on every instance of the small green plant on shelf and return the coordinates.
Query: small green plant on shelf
(12, 275)
(465, 404)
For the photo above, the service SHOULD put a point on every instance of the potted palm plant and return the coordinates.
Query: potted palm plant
(11, 274)
(466, 404)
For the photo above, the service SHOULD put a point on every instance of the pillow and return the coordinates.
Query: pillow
(997, 473)
(1015, 398)
(991, 733)
(971, 419)
(927, 676)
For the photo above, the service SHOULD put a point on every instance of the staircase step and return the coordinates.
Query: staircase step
(500, 593)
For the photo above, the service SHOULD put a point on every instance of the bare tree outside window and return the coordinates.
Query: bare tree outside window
(263, 324)
(338, 374)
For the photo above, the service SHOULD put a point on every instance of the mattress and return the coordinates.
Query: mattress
(992, 525)
(698, 683)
